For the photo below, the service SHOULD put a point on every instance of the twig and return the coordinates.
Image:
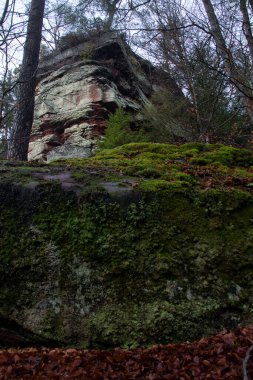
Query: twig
(245, 363)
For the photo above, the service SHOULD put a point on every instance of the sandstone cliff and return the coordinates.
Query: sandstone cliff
(79, 86)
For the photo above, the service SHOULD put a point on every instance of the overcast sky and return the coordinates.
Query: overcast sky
(15, 52)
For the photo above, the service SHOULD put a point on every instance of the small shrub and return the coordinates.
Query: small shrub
(69, 40)
(118, 131)
(72, 39)
(87, 50)
(166, 119)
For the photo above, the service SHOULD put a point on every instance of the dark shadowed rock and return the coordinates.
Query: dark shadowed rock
(12, 334)
(128, 248)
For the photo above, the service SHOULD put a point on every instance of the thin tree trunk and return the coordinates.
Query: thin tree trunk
(218, 37)
(23, 119)
(247, 27)
(111, 9)
(5, 11)
(233, 74)
(251, 4)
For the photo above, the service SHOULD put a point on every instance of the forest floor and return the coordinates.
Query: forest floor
(218, 357)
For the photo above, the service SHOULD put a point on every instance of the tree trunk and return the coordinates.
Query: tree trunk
(218, 37)
(247, 27)
(5, 11)
(232, 72)
(251, 4)
(23, 119)
(111, 9)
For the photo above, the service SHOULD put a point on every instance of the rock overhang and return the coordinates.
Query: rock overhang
(74, 89)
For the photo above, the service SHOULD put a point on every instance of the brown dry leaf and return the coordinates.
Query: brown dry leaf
(216, 358)
(229, 338)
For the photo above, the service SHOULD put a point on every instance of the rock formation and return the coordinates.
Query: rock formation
(79, 86)
(147, 243)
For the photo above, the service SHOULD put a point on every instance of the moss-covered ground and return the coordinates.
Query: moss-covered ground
(166, 256)
(161, 166)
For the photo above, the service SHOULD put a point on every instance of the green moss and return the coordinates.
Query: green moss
(159, 184)
(200, 161)
(168, 260)
(156, 322)
(190, 163)
(225, 155)
(149, 173)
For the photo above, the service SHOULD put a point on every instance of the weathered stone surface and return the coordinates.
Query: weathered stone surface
(77, 90)
(69, 150)
(90, 256)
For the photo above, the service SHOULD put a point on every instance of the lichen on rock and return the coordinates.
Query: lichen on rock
(142, 244)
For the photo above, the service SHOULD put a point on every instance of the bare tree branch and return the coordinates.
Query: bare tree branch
(5, 11)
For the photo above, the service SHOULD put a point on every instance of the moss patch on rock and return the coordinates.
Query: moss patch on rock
(189, 165)
(156, 258)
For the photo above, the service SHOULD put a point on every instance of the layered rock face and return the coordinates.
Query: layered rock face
(80, 86)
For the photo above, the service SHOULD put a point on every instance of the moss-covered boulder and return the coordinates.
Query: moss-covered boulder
(143, 244)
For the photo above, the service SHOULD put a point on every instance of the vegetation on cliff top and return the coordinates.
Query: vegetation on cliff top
(149, 166)
(161, 166)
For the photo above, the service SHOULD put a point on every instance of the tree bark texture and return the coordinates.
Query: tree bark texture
(235, 77)
(23, 119)
(247, 27)
(111, 9)
(251, 4)
(218, 37)
(5, 11)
